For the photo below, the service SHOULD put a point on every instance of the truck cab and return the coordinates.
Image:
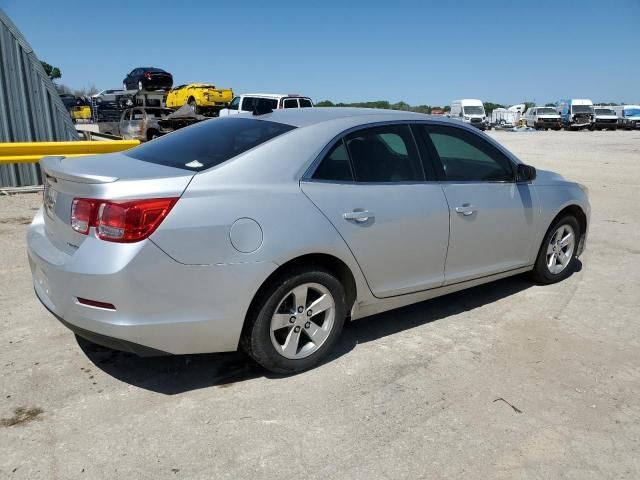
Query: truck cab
(471, 111)
(576, 113)
(250, 102)
(604, 118)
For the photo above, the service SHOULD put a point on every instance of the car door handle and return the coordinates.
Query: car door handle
(360, 216)
(466, 209)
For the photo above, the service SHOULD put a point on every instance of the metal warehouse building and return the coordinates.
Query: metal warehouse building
(30, 108)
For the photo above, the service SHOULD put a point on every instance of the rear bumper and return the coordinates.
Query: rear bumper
(103, 340)
(161, 306)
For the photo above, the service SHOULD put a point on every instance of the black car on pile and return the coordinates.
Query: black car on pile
(148, 78)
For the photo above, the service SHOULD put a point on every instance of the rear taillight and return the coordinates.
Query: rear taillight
(120, 221)
(82, 214)
(147, 75)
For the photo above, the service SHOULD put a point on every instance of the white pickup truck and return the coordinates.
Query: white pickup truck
(264, 102)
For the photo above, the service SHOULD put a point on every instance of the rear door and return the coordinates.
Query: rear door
(372, 188)
(492, 216)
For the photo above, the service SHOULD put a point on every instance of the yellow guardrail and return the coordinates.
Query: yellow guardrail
(32, 152)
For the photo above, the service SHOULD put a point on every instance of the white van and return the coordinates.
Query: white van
(543, 118)
(604, 118)
(263, 102)
(470, 111)
(575, 113)
(628, 116)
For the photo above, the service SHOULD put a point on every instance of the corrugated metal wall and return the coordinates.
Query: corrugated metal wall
(30, 108)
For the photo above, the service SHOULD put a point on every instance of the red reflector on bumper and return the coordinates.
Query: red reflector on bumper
(94, 303)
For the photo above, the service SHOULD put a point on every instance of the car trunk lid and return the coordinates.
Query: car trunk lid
(105, 177)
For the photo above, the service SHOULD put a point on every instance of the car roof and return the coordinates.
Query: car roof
(303, 117)
(273, 95)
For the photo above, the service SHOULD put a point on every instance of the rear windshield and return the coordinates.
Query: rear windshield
(208, 143)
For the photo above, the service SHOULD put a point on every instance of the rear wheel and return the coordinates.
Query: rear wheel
(295, 321)
(557, 255)
(193, 105)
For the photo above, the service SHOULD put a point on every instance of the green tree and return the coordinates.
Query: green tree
(490, 107)
(51, 71)
(550, 105)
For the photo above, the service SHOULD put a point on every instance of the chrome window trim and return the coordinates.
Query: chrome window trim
(307, 177)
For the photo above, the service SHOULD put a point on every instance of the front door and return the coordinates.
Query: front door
(492, 216)
(372, 188)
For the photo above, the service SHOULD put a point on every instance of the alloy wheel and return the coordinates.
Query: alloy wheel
(560, 249)
(303, 321)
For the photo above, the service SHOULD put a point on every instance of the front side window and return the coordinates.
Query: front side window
(209, 143)
(384, 154)
(467, 157)
(235, 103)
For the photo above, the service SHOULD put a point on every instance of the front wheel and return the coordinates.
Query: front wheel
(296, 321)
(140, 86)
(557, 256)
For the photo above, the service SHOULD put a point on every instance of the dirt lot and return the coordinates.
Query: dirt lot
(508, 380)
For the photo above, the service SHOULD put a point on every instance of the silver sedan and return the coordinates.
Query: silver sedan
(266, 232)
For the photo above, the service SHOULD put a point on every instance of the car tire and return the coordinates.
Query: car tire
(550, 267)
(193, 105)
(275, 322)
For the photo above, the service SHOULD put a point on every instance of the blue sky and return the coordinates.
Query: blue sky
(417, 51)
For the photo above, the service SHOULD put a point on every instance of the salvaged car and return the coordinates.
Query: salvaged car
(604, 118)
(201, 97)
(138, 123)
(266, 232)
(147, 78)
(543, 118)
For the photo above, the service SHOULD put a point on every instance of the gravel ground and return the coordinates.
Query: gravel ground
(507, 380)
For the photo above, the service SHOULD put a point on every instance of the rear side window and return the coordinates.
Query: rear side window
(208, 143)
(467, 157)
(384, 154)
(335, 166)
(249, 104)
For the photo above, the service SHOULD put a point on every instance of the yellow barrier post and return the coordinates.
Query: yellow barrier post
(32, 152)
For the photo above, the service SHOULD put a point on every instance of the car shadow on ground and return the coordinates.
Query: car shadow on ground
(171, 375)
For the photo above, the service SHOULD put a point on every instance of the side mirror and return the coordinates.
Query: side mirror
(525, 173)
